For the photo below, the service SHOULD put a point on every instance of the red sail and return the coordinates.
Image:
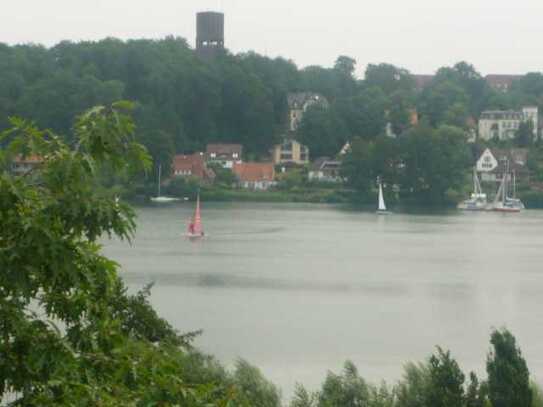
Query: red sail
(195, 227)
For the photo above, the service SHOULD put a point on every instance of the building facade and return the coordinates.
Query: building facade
(192, 165)
(299, 102)
(226, 155)
(325, 170)
(255, 176)
(504, 124)
(290, 152)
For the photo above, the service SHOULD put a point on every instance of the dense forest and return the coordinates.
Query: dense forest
(183, 102)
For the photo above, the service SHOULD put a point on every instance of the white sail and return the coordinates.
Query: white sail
(382, 206)
(500, 194)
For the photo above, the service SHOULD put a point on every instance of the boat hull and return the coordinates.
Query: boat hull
(192, 236)
(164, 199)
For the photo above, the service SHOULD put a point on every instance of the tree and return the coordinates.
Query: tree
(445, 381)
(435, 161)
(357, 166)
(508, 375)
(345, 390)
(112, 349)
(524, 136)
(302, 398)
(323, 131)
(254, 389)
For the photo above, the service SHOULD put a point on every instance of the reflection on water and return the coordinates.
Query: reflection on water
(297, 289)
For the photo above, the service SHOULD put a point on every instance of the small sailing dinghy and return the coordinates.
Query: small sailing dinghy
(159, 198)
(195, 229)
(381, 209)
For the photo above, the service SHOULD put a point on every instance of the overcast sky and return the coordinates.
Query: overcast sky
(497, 36)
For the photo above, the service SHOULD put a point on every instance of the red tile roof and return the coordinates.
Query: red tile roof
(501, 81)
(193, 164)
(254, 172)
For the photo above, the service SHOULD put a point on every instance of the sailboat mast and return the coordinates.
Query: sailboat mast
(514, 184)
(159, 176)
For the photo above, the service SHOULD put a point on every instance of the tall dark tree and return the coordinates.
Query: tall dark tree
(508, 375)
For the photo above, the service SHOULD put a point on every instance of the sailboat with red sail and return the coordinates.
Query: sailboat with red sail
(195, 229)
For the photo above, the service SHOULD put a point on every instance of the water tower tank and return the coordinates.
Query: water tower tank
(209, 33)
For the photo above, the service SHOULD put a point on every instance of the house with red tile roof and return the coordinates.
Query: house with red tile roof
(192, 165)
(224, 154)
(24, 164)
(255, 176)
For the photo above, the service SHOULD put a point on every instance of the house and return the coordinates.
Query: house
(503, 124)
(255, 176)
(193, 165)
(325, 170)
(290, 152)
(493, 163)
(299, 102)
(225, 155)
(22, 165)
(501, 83)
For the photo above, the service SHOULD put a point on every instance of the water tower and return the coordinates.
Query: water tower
(209, 34)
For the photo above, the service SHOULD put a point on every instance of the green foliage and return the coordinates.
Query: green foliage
(347, 389)
(323, 131)
(303, 398)
(253, 388)
(524, 136)
(109, 348)
(446, 380)
(508, 375)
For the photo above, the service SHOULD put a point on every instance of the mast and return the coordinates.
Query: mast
(159, 176)
(514, 184)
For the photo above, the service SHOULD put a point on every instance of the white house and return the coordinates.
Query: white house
(491, 164)
(503, 124)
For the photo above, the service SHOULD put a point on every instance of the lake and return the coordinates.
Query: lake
(297, 289)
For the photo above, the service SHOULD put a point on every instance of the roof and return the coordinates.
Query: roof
(224, 149)
(325, 163)
(299, 100)
(517, 158)
(29, 159)
(193, 163)
(500, 81)
(502, 115)
(254, 172)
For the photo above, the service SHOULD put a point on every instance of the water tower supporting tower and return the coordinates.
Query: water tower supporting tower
(209, 34)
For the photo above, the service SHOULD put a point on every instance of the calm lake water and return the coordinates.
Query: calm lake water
(297, 289)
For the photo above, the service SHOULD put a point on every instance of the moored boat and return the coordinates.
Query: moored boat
(159, 198)
(477, 200)
(381, 208)
(503, 202)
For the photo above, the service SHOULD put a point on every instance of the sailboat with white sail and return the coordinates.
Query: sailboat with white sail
(382, 208)
(503, 202)
(196, 229)
(159, 198)
(477, 200)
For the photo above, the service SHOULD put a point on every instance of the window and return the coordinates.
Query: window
(286, 156)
